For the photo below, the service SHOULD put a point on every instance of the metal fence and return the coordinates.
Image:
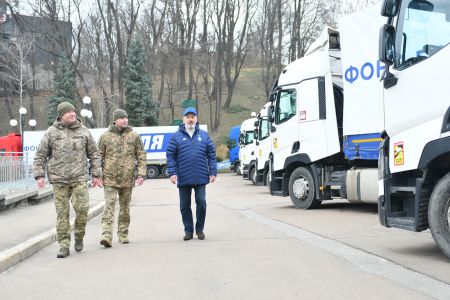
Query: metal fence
(15, 172)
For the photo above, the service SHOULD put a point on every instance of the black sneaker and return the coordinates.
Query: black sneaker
(188, 236)
(201, 235)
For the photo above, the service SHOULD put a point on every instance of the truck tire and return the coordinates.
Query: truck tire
(152, 172)
(439, 214)
(252, 175)
(165, 172)
(301, 189)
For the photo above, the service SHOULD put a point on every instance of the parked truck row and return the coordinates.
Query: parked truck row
(365, 115)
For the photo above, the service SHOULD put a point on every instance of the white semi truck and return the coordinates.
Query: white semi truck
(263, 148)
(247, 146)
(414, 169)
(326, 118)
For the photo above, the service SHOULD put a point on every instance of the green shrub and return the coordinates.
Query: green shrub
(221, 152)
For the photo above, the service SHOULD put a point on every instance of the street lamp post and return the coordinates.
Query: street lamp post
(85, 112)
(13, 123)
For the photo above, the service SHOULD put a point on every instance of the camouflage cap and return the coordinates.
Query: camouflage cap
(119, 113)
(63, 108)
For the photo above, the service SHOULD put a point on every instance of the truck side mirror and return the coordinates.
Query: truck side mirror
(387, 45)
(241, 139)
(270, 114)
(389, 8)
(228, 144)
(273, 129)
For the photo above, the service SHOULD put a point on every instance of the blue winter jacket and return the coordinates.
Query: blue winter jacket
(193, 160)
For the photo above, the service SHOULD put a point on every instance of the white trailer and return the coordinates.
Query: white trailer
(414, 169)
(154, 138)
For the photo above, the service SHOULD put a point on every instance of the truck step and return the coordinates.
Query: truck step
(407, 189)
(406, 223)
(277, 193)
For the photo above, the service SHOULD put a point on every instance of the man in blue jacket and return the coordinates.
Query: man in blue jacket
(191, 161)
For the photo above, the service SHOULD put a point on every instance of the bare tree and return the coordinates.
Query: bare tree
(14, 62)
(305, 25)
(235, 41)
(270, 32)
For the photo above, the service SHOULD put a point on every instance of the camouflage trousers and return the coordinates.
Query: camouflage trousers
(77, 193)
(111, 193)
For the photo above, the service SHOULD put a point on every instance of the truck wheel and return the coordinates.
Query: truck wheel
(301, 189)
(253, 175)
(439, 214)
(237, 168)
(152, 172)
(165, 172)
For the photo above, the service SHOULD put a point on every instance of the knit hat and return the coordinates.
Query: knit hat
(64, 107)
(119, 113)
(190, 110)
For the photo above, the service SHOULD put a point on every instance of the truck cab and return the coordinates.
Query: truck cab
(414, 164)
(325, 131)
(263, 144)
(247, 145)
(10, 145)
(233, 147)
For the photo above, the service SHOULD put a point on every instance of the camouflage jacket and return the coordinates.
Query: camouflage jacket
(121, 152)
(65, 150)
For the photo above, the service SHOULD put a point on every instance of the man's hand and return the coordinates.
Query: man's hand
(212, 179)
(41, 182)
(97, 182)
(173, 179)
(139, 181)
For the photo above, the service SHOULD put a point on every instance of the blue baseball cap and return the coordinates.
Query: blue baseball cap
(189, 110)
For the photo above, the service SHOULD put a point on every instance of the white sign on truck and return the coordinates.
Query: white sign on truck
(154, 138)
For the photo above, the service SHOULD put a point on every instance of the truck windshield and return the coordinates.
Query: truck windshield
(423, 29)
(249, 136)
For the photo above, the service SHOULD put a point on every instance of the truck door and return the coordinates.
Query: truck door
(285, 133)
(318, 134)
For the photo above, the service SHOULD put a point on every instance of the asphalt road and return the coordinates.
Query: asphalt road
(257, 247)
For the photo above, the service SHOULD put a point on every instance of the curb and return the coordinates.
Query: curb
(19, 253)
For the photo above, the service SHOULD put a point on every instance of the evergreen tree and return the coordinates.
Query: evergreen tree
(65, 87)
(138, 88)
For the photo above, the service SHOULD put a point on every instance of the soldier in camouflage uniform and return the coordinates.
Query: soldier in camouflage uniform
(121, 150)
(65, 149)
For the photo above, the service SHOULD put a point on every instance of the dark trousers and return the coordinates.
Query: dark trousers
(185, 207)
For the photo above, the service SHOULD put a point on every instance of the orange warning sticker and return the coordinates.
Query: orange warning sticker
(399, 154)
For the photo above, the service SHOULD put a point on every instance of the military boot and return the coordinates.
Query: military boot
(63, 252)
(106, 242)
(78, 245)
(124, 239)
